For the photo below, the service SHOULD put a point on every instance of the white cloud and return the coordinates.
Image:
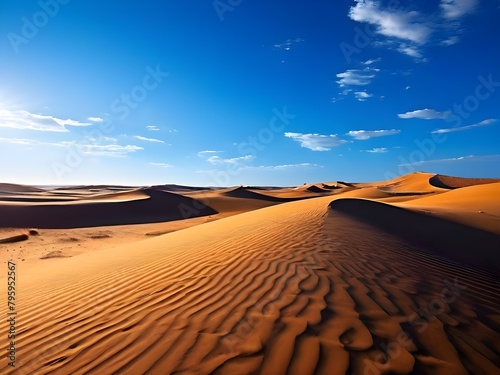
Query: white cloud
(141, 138)
(481, 158)
(371, 61)
(316, 142)
(390, 23)
(95, 119)
(31, 142)
(218, 160)
(426, 114)
(281, 167)
(461, 128)
(450, 41)
(362, 95)
(356, 77)
(362, 135)
(162, 165)
(107, 150)
(411, 51)
(152, 128)
(407, 31)
(289, 43)
(21, 119)
(86, 149)
(377, 150)
(453, 9)
(203, 154)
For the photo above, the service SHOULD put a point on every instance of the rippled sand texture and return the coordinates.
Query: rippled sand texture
(300, 287)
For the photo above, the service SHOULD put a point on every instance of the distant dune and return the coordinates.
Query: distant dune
(157, 206)
(389, 277)
(14, 188)
(449, 182)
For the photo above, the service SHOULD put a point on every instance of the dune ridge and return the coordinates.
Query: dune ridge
(431, 232)
(356, 280)
(244, 295)
(158, 206)
(450, 182)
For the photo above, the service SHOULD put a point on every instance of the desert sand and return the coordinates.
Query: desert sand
(390, 277)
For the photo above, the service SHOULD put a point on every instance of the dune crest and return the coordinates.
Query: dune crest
(356, 280)
(150, 206)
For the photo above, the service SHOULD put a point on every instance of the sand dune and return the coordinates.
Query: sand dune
(159, 206)
(442, 237)
(241, 192)
(313, 188)
(476, 206)
(14, 188)
(178, 188)
(336, 297)
(415, 183)
(449, 182)
(339, 283)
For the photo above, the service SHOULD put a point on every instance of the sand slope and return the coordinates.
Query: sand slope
(157, 206)
(442, 237)
(339, 283)
(476, 206)
(285, 289)
(450, 182)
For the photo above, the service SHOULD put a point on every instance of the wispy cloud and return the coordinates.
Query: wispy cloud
(141, 138)
(32, 142)
(92, 149)
(409, 50)
(95, 119)
(205, 153)
(450, 41)
(481, 158)
(265, 168)
(362, 95)
(162, 165)
(391, 23)
(356, 77)
(408, 31)
(115, 150)
(152, 128)
(362, 135)
(316, 142)
(215, 159)
(371, 61)
(282, 167)
(21, 119)
(453, 9)
(468, 127)
(426, 114)
(377, 150)
(289, 43)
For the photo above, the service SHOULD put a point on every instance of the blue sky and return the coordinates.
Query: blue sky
(232, 92)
